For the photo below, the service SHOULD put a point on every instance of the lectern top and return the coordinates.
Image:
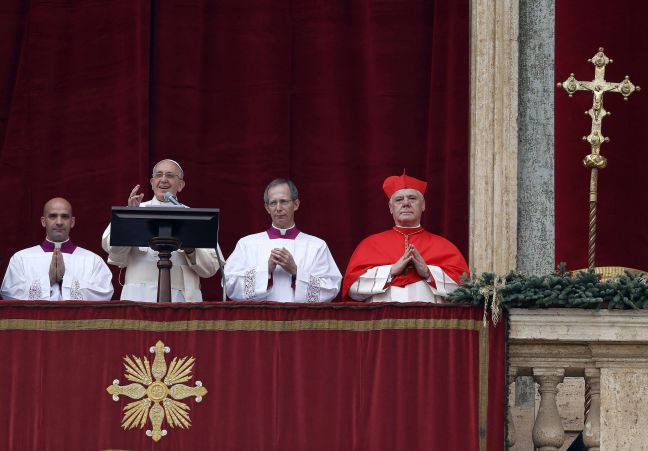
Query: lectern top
(135, 226)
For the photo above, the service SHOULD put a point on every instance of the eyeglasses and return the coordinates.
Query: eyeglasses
(169, 175)
(282, 202)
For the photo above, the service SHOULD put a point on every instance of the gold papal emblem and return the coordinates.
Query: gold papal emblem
(158, 399)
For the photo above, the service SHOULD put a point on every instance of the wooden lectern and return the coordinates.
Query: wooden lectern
(164, 229)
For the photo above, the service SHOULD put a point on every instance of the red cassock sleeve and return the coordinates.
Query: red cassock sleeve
(387, 247)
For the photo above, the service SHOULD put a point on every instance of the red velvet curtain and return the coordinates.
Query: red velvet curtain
(622, 232)
(336, 95)
(300, 377)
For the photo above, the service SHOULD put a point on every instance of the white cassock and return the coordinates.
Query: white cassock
(246, 272)
(141, 279)
(86, 277)
(373, 285)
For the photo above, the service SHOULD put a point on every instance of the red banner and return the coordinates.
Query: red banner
(242, 376)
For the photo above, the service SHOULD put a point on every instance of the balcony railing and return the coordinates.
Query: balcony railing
(609, 349)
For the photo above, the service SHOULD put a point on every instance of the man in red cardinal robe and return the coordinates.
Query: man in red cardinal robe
(406, 263)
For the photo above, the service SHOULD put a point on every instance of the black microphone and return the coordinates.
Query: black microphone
(171, 198)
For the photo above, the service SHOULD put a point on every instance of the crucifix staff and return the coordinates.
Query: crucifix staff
(595, 161)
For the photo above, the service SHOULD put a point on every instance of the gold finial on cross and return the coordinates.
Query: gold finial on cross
(595, 161)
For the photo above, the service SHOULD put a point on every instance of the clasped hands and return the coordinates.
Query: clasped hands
(57, 267)
(283, 258)
(413, 258)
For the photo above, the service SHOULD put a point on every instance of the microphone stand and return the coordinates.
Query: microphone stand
(221, 264)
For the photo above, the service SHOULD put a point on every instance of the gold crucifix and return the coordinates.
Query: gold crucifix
(595, 161)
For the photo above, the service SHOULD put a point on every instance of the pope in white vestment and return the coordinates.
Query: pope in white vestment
(281, 264)
(141, 278)
(86, 275)
(247, 277)
(189, 265)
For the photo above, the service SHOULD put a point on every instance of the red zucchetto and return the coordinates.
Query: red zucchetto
(397, 182)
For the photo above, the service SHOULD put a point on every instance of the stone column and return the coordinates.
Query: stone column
(511, 153)
(493, 135)
(535, 177)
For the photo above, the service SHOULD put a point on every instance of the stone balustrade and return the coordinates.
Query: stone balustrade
(608, 349)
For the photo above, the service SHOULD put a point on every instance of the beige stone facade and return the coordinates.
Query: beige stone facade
(606, 350)
(493, 136)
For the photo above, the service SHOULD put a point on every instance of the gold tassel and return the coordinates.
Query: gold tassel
(487, 292)
(493, 300)
(496, 304)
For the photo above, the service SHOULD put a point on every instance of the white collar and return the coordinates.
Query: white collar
(54, 242)
(156, 201)
(283, 231)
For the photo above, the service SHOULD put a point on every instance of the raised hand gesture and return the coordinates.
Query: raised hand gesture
(135, 198)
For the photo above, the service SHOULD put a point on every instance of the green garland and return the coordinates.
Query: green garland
(560, 289)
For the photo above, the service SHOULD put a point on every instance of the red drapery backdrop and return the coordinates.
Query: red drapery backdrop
(622, 233)
(323, 377)
(335, 95)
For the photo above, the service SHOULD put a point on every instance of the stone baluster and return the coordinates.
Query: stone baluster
(592, 425)
(548, 432)
(510, 424)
